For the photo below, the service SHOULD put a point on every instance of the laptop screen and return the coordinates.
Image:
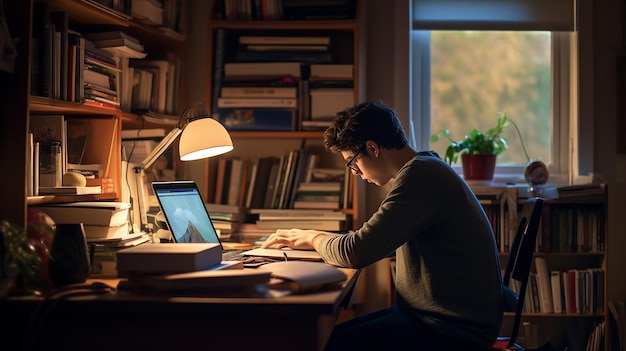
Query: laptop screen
(185, 212)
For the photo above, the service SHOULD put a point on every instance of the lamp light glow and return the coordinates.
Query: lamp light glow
(204, 138)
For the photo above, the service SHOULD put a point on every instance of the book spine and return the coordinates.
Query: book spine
(256, 102)
(241, 119)
(259, 92)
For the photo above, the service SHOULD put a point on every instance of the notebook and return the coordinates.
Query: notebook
(189, 222)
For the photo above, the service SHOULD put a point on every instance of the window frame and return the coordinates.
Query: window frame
(563, 110)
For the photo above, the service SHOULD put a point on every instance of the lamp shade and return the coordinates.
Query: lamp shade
(204, 138)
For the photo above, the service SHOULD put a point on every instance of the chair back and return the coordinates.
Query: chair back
(521, 257)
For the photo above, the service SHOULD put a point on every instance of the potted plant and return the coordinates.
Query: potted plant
(478, 150)
(24, 254)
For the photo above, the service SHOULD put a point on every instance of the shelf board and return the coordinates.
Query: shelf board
(51, 199)
(281, 135)
(556, 315)
(287, 25)
(47, 105)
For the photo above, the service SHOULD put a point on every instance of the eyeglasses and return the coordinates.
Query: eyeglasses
(351, 161)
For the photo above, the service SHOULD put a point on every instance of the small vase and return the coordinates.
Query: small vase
(69, 257)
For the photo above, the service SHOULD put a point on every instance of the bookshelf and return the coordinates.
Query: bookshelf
(571, 327)
(571, 242)
(106, 123)
(227, 47)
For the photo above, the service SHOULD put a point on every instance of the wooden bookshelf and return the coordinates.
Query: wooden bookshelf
(256, 143)
(16, 93)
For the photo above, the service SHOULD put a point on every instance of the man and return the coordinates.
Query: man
(448, 284)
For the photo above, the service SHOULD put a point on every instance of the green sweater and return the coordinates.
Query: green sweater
(447, 265)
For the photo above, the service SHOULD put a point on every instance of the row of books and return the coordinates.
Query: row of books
(573, 291)
(565, 227)
(266, 10)
(105, 69)
(290, 181)
(278, 82)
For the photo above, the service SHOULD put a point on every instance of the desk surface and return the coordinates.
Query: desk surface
(166, 322)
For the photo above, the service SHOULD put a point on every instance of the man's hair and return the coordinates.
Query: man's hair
(371, 120)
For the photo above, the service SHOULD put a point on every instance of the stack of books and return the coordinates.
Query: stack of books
(226, 218)
(101, 220)
(324, 189)
(272, 219)
(105, 253)
(101, 77)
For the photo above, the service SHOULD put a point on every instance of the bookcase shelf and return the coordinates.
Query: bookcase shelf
(344, 49)
(563, 328)
(82, 16)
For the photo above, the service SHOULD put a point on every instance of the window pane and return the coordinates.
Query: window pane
(476, 74)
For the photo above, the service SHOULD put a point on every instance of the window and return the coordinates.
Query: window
(461, 79)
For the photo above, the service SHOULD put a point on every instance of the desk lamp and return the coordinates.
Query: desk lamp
(202, 137)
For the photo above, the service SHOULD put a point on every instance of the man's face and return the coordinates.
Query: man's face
(364, 164)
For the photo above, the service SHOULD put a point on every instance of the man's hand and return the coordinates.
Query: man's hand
(298, 239)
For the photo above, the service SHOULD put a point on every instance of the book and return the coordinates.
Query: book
(105, 231)
(132, 239)
(284, 40)
(89, 213)
(291, 214)
(259, 92)
(207, 280)
(316, 224)
(69, 190)
(114, 38)
(557, 291)
(286, 48)
(306, 255)
(304, 204)
(262, 69)
(544, 286)
(256, 102)
(331, 71)
(326, 102)
(168, 258)
(224, 208)
(239, 119)
(303, 276)
(261, 181)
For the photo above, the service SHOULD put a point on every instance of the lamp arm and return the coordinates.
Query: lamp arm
(161, 147)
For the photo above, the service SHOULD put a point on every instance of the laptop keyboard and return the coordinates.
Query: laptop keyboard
(233, 255)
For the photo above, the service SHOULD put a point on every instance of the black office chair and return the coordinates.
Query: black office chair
(518, 269)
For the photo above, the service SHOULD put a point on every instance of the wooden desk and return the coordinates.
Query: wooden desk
(155, 322)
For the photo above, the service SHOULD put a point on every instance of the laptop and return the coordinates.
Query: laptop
(187, 217)
(189, 222)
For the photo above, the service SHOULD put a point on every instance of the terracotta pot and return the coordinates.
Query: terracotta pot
(478, 167)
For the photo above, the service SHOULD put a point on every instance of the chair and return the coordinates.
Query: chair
(518, 269)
